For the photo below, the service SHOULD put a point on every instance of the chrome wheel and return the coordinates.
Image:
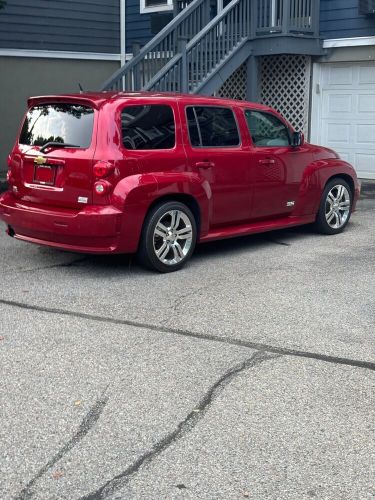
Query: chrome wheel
(173, 237)
(337, 207)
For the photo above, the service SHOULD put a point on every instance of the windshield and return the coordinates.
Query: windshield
(63, 123)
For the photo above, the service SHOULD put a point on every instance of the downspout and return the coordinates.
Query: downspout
(122, 32)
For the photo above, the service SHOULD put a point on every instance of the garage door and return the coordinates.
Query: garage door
(343, 114)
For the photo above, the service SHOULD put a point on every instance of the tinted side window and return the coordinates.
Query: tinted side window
(266, 129)
(69, 123)
(212, 127)
(148, 127)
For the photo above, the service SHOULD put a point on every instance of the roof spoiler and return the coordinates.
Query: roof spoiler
(78, 99)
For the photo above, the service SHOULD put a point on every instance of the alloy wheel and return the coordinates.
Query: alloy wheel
(337, 208)
(173, 237)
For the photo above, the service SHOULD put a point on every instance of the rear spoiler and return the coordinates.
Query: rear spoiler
(74, 99)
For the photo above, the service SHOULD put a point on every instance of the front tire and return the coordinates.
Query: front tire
(168, 237)
(335, 207)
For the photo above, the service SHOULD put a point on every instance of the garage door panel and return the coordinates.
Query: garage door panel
(365, 134)
(366, 103)
(338, 133)
(367, 74)
(338, 103)
(340, 75)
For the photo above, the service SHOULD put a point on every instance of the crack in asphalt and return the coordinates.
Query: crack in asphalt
(52, 266)
(87, 423)
(196, 335)
(183, 428)
(178, 302)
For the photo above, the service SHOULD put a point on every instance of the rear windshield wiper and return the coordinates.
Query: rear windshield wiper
(52, 144)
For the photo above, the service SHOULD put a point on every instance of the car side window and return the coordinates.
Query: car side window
(266, 129)
(211, 126)
(149, 126)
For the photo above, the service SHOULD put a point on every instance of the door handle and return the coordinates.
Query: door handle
(204, 164)
(267, 161)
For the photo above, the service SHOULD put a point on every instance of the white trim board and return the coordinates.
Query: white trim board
(349, 42)
(61, 54)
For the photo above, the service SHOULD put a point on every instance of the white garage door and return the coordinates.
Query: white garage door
(343, 112)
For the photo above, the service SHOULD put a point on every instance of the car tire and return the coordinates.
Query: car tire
(335, 207)
(168, 237)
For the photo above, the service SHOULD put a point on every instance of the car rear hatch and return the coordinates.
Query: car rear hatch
(53, 160)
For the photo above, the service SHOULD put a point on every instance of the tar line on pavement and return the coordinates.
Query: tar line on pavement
(191, 334)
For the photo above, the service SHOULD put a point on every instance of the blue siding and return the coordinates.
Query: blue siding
(73, 25)
(340, 19)
(138, 26)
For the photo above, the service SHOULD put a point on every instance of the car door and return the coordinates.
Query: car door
(215, 151)
(276, 166)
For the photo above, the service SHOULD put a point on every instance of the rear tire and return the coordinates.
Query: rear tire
(168, 237)
(335, 207)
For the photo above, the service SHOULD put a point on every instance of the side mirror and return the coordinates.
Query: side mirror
(298, 139)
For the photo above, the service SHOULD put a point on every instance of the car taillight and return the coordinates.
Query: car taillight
(102, 188)
(103, 169)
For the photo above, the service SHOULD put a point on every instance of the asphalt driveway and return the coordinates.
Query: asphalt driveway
(248, 374)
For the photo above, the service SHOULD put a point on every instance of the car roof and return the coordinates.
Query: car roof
(97, 99)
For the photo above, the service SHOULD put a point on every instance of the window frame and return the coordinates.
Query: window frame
(287, 126)
(127, 105)
(166, 6)
(237, 146)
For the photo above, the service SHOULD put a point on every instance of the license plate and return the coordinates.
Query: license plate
(44, 174)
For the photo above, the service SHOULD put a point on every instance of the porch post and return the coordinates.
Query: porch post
(252, 92)
(184, 84)
(286, 16)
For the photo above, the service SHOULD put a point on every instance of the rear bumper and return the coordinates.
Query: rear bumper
(94, 229)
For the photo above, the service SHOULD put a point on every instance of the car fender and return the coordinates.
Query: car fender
(315, 178)
(135, 194)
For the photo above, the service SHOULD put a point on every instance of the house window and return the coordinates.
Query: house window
(148, 6)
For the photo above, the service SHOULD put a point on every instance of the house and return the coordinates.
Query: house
(313, 60)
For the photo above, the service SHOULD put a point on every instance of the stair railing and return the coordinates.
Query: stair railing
(206, 51)
(138, 72)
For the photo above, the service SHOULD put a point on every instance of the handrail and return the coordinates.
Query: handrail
(206, 50)
(163, 47)
(192, 46)
(287, 16)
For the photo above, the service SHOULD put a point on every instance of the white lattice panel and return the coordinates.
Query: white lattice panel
(285, 85)
(235, 86)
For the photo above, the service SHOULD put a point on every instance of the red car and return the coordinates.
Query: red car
(156, 173)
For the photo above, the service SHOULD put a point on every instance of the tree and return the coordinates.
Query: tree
(2, 3)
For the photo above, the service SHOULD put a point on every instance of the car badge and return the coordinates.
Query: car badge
(82, 199)
(290, 203)
(40, 160)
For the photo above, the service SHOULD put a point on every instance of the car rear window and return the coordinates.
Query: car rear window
(212, 127)
(148, 127)
(64, 123)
